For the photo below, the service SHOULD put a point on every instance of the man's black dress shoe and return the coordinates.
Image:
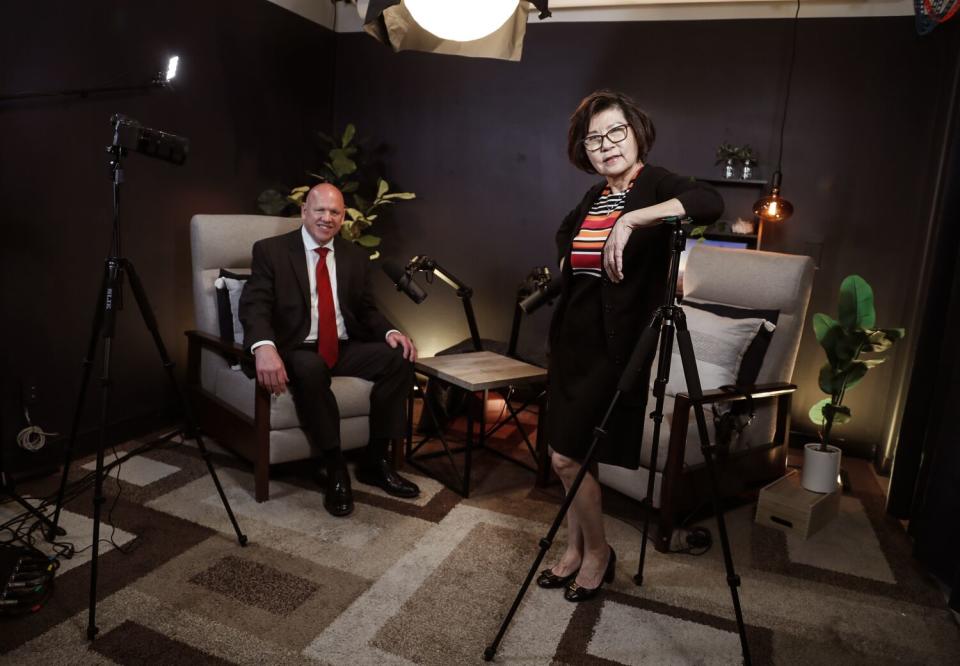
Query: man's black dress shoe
(338, 498)
(380, 475)
(549, 580)
(577, 593)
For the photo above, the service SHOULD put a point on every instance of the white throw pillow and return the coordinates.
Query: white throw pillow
(718, 344)
(234, 289)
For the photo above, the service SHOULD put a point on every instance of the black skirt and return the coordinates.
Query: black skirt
(583, 380)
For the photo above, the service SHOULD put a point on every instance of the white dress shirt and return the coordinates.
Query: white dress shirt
(313, 257)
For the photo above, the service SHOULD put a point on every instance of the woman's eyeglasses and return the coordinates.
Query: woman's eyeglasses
(616, 134)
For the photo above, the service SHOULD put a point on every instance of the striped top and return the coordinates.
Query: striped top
(586, 250)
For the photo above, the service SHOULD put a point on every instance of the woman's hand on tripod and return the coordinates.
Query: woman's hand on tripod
(271, 373)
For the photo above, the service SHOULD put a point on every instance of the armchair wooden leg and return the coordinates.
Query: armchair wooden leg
(261, 460)
(665, 526)
(261, 482)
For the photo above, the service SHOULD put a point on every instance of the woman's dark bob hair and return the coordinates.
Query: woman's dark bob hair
(593, 104)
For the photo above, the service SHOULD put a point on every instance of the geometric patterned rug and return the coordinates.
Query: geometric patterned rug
(427, 581)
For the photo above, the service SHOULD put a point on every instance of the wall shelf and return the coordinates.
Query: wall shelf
(736, 182)
(730, 236)
(742, 199)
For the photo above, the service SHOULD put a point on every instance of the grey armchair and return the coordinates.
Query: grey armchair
(745, 279)
(232, 408)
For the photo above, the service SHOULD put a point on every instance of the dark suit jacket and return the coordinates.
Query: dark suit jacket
(275, 304)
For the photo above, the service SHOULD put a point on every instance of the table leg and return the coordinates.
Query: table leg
(468, 453)
(483, 418)
(411, 398)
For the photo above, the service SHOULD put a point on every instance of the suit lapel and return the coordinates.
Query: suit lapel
(343, 271)
(298, 262)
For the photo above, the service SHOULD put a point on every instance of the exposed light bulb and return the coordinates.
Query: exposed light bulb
(773, 207)
(172, 68)
(461, 20)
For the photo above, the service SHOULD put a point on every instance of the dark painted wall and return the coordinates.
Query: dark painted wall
(483, 144)
(255, 82)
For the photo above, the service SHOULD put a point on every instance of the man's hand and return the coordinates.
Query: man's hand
(395, 338)
(271, 372)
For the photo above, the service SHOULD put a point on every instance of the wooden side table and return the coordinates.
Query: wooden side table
(477, 372)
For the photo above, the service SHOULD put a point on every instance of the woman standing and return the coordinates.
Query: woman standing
(614, 256)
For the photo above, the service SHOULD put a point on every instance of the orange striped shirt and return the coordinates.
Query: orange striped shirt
(586, 250)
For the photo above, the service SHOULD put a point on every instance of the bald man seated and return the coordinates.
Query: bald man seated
(308, 315)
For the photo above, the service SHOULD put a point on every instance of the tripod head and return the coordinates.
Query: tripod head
(679, 245)
(129, 135)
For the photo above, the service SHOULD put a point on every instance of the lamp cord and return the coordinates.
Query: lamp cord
(786, 101)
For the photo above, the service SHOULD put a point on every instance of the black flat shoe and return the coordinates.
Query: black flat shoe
(549, 580)
(338, 497)
(383, 477)
(577, 593)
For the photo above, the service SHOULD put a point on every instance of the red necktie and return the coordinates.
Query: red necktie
(328, 342)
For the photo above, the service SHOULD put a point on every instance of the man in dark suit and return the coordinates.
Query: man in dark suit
(308, 315)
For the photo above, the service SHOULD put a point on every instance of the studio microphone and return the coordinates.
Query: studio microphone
(542, 294)
(404, 282)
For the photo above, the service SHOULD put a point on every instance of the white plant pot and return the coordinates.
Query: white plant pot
(820, 468)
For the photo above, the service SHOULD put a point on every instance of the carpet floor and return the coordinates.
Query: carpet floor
(427, 581)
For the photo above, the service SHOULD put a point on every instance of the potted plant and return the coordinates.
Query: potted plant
(728, 155)
(748, 161)
(845, 341)
(345, 167)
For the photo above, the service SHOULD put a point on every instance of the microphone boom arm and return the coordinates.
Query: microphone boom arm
(427, 265)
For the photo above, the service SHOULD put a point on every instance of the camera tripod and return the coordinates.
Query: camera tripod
(104, 325)
(661, 327)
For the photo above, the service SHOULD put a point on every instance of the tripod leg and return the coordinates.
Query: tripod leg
(98, 498)
(87, 365)
(658, 325)
(696, 395)
(151, 322)
(547, 541)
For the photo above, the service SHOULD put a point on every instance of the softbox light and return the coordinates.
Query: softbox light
(392, 23)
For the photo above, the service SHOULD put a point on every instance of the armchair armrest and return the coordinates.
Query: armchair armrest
(771, 390)
(197, 340)
(215, 342)
(781, 391)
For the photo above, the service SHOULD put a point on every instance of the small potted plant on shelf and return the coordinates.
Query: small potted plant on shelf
(346, 168)
(845, 341)
(748, 161)
(728, 155)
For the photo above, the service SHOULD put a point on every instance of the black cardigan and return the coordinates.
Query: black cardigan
(628, 305)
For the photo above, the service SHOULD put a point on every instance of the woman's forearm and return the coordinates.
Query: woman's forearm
(652, 214)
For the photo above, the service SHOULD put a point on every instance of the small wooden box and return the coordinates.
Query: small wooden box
(788, 506)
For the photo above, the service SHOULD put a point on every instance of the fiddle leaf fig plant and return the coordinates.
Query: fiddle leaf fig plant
(346, 168)
(845, 340)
